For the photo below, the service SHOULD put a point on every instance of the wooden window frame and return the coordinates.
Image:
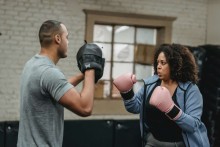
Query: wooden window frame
(163, 24)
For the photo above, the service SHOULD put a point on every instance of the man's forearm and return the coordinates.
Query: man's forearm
(75, 80)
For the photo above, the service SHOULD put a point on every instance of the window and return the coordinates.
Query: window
(128, 43)
(126, 49)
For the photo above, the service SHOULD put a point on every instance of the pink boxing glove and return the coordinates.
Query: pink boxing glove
(162, 100)
(125, 82)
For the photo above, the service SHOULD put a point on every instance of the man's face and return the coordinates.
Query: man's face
(62, 50)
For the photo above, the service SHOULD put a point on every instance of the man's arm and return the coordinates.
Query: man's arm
(81, 103)
(75, 80)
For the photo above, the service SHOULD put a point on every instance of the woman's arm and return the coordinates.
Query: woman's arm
(190, 119)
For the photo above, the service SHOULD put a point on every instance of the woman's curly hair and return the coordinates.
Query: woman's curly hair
(182, 63)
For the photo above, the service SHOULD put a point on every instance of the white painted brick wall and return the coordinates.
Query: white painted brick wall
(21, 19)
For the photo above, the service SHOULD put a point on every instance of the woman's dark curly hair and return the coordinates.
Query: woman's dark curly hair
(182, 63)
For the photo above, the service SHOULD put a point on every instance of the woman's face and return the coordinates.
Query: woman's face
(163, 68)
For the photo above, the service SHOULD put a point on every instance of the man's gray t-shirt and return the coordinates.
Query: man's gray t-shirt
(41, 116)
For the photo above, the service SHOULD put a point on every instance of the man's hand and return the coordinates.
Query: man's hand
(89, 56)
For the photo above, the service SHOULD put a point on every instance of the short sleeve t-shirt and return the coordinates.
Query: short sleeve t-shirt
(41, 116)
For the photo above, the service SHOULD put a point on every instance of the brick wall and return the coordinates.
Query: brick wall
(213, 23)
(21, 19)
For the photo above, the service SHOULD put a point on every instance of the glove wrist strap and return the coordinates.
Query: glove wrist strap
(174, 113)
(128, 95)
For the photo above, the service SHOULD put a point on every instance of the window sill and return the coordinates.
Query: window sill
(109, 107)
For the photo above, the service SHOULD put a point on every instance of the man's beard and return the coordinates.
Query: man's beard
(61, 53)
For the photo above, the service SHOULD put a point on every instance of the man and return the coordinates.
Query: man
(45, 91)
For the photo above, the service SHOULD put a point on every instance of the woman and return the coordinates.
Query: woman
(170, 103)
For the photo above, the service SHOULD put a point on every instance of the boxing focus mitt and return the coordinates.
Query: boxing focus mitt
(89, 56)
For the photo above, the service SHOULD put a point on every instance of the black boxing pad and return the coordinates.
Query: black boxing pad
(89, 49)
(89, 56)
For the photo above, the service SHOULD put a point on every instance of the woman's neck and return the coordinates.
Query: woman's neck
(170, 85)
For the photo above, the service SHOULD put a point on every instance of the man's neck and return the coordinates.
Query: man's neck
(50, 53)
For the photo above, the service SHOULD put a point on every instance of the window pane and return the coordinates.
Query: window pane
(115, 92)
(123, 52)
(146, 36)
(144, 54)
(124, 34)
(143, 71)
(106, 50)
(102, 33)
(121, 68)
(107, 89)
(102, 89)
(106, 73)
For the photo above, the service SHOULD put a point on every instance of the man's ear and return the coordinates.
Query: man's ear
(57, 38)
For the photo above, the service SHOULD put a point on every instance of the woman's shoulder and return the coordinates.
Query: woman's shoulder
(186, 85)
(151, 79)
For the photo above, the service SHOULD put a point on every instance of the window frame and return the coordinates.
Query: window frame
(163, 24)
